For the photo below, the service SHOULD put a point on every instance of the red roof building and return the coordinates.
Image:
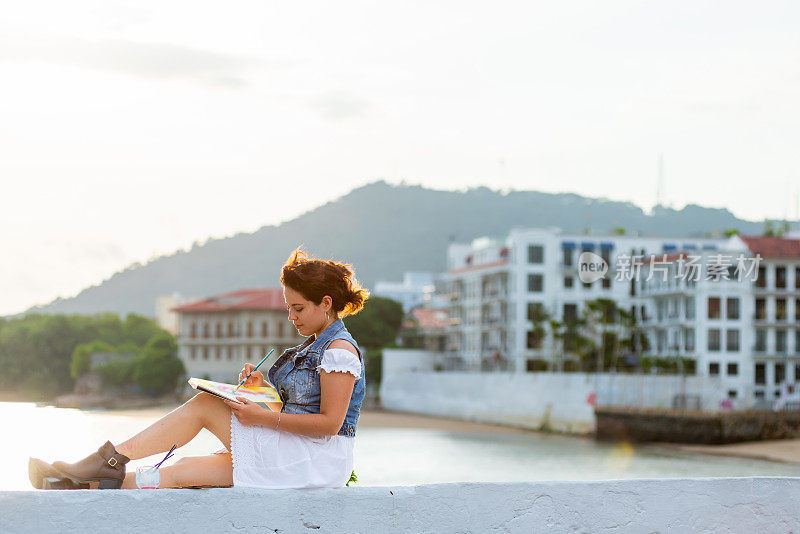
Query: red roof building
(772, 247)
(243, 299)
(218, 334)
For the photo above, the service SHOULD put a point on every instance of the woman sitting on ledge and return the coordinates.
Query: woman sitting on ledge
(305, 441)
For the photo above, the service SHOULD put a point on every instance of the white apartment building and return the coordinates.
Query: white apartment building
(743, 330)
(219, 334)
(411, 292)
(493, 286)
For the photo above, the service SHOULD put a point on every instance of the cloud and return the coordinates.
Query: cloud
(149, 60)
(339, 105)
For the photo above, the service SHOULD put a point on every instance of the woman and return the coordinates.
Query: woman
(305, 441)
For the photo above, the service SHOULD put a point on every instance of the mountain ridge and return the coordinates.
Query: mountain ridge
(383, 230)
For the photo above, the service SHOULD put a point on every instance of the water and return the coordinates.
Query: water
(383, 456)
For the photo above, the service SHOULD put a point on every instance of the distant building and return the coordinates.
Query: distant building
(426, 329)
(495, 287)
(745, 333)
(219, 334)
(411, 292)
(166, 317)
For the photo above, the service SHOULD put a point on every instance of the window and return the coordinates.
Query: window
(759, 395)
(713, 369)
(535, 283)
(713, 308)
(732, 308)
(761, 374)
(193, 330)
(797, 277)
(249, 329)
(713, 339)
(219, 329)
(568, 281)
(205, 331)
(780, 277)
(732, 340)
(761, 340)
(570, 312)
(797, 314)
(733, 369)
(761, 309)
(535, 312)
(605, 253)
(205, 353)
(535, 253)
(780, 340)
(567, 259)
(761, 277)
(780, 373)
(732, 393)
(780, 309)
(797, 373)
(689, 337)
(193, 354)
(217, 355)
(264, 330)
(230, 330)
(534, 340)
(229, 351)
(690, 307)
(606, 283)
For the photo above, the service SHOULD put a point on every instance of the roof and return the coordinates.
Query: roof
(426, 318)
(243, 299)
(772, 247)
(479, 266)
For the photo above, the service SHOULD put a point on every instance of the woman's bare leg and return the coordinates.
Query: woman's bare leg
(179, 426)
(211, 470)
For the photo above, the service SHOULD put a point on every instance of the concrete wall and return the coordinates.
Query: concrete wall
(546, 401)
(719, 505)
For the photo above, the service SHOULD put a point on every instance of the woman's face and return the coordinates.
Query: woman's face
(308, 318)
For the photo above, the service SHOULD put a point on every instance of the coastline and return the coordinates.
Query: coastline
(780, 451)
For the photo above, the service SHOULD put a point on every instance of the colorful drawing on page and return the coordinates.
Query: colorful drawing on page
(226, 391)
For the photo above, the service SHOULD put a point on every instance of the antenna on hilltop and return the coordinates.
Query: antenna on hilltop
(660, 182)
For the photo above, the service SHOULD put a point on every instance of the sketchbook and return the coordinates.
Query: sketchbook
(225, 391)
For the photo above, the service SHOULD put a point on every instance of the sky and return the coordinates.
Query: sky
(132, 129)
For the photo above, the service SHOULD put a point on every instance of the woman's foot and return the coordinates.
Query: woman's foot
(44, 476)
(106, 466)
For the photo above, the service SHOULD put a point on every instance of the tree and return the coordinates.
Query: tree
(157, 375)
(82, 356)
(377, 324)
(158, 370)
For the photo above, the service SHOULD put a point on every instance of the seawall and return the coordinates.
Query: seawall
(719, 505)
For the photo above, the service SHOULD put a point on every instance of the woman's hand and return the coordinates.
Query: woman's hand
(247, 412)
(256, 379)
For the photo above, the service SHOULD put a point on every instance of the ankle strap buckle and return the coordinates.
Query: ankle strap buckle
(112, 461)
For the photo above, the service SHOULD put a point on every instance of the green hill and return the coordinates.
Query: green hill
(384, 230)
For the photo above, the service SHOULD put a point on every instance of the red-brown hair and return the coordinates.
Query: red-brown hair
(314, 278)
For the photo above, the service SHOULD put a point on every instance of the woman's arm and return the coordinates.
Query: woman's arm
(336, 389)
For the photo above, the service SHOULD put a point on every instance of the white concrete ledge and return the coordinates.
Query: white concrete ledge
(736, 505)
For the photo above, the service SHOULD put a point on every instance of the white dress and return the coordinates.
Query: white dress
(274, 459)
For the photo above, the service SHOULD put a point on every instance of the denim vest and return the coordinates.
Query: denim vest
(295, 377)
